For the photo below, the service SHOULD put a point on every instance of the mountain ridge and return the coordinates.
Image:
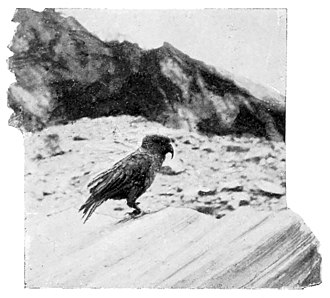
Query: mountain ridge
(64, 73)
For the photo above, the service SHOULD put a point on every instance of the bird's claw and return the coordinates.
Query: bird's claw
(134, 213)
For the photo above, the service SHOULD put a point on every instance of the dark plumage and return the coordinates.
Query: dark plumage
(130, 177)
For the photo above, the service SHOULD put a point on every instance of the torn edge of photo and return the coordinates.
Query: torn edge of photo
(165, 131)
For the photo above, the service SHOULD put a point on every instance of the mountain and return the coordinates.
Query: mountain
(65, 73)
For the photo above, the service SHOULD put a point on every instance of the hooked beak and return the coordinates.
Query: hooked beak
(170, 150)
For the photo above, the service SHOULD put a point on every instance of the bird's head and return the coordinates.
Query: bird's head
(157, 144)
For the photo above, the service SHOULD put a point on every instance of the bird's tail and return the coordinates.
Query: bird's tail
(89, 207)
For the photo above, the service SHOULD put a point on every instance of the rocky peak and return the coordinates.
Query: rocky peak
(64, 73)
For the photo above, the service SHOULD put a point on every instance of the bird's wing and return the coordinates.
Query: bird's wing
(129, 177)
(123, 175)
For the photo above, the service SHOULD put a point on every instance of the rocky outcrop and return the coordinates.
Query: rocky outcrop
(174, 248)
(64, 73)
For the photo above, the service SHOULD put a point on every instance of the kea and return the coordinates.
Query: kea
(130, 177)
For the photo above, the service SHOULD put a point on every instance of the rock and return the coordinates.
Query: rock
(232, 186)
(167, 170)
(95, 78)
(79, 138)
(38, 157)
(230, 207)
(238, 149)
(215, 169)
(205, 209)
(46, 193)
(209, 202)
(220, 215)
(174, 248)
(259, 154)
(269, 189)
(118, 208)
(207, 192)
(270, 160)
(208, 150)
(243, 203)
(167, 194)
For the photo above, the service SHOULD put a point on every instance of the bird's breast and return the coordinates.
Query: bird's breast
(157, 163)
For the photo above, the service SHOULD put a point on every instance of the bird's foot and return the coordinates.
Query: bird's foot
(134, 213)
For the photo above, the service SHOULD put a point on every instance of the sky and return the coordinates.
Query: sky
(246, 42)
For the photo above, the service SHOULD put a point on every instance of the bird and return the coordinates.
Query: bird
(130, 177)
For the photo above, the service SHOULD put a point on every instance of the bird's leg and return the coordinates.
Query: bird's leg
(137, 210)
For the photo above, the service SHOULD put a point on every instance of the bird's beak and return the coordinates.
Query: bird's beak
(170, 150)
